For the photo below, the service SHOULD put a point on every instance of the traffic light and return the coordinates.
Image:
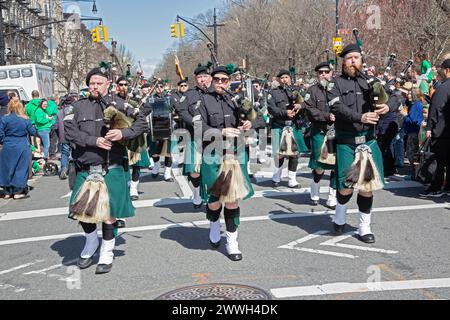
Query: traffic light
(173, 31)
(181, 25)
(105, 34)
(96, 35)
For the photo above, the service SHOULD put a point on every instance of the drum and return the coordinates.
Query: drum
(161, 120)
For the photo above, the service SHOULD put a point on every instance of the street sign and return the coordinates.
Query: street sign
(8, 51)
(338, 44)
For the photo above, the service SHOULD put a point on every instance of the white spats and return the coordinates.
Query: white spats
(364, 224)
(292, 179)
(332, 201)
(277, 175)
(156, 168)
(315, 191)
(134, 188)
(107, 252)
(249, 169)
(197, 199)
(90, 246)
(167, 173)
(232, 243)
(340, 215)
(214, 231)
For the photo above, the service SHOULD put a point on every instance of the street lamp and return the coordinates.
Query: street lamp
(94, 6)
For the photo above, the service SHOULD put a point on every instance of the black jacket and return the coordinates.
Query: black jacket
(83, 125)
(439, 113)
(316, 106)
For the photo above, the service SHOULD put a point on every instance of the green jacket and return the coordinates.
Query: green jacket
(52, 110)
(42, 120)
(30, 109)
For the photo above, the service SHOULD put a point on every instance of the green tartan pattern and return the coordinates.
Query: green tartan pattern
(145, 160)
(345, 156)
(317, 139)
(189, 161)
(210, 170)
(119, 194)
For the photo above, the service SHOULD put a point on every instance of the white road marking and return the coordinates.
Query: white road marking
(54, 267)
(205, 222)
(182, 183)
(291, 245)
(10, 286)
(268, 193)
(340, 288)
(327, 253)
(334, 243)
(23, 266)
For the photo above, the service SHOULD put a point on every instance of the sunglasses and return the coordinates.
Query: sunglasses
(122, 84)
(184, 86)
(221, 80)
(323, 72)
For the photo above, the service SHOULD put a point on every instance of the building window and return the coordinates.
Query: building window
(3, 75)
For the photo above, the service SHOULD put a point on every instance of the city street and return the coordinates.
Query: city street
(289, 249)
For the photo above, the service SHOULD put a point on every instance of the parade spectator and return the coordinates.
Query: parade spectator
(438, 129)
(64, 145)
(426, 73)
(31, 108)
(52, 111)
(15, 154)
(411, 125)
(43, 124)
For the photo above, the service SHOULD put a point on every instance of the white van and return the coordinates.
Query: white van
(29, 77)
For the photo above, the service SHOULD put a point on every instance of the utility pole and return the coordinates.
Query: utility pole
(216, 40)
(2, 40)
(337, 28)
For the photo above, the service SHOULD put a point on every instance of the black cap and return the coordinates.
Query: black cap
(283, 72)
(220, 69)
(96, 72)
(446, 64)
(323, 65)
(352, 47)
(122, 78)
(256, 81)
(185, 80)
(201, 70)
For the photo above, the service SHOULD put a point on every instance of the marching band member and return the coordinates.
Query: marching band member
(161, 148)
(359, 163)
(224, 179)
(322, 120)
(100, 192)
(189, 106)
(287, 138)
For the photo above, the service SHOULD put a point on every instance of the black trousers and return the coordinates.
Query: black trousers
(441, 149)
(384, 142)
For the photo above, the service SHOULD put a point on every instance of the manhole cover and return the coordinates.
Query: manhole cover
(216, 292)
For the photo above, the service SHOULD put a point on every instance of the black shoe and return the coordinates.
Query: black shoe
(120, 224)
(339, 229)
(431, 194)
(84, 263)
(275, 184)
(235, 257)
(314, 203)
(103, 268)
(368, 238)
(330, 207)
(154, 176)
(63, 175)
(215, 245)
(169, 180)
(198, 206)
(134, 198)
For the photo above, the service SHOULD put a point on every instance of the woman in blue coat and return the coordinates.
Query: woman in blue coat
(15, 128)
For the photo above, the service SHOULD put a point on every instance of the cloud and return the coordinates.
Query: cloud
(149, 66)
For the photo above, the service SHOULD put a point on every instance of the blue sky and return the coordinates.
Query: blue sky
(143, 26)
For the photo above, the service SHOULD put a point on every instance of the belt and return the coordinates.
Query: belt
(355, 140)
(87, 168)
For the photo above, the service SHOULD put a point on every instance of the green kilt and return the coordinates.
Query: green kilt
(189, 158)
(317, 139)
(155, 147)
(345, 156)
(145, 160)
(119, 195)
(277, 132)
(210, 170)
